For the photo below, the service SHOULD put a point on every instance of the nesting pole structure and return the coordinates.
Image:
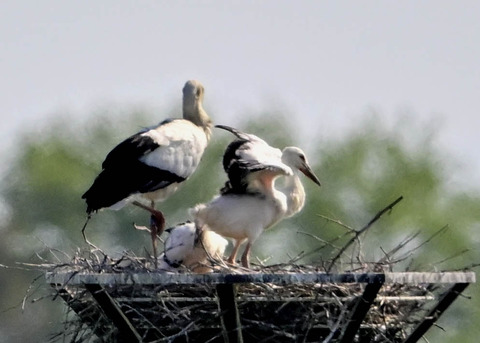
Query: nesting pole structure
(283, 306)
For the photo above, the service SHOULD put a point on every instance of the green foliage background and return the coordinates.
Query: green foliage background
(361, 173)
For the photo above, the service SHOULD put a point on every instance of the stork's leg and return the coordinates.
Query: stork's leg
(233, 255)
(246, 256)
(157, 224)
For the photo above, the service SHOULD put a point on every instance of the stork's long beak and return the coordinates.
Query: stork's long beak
(308, 172)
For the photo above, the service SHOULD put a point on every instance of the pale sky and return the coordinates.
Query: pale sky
(326, 61)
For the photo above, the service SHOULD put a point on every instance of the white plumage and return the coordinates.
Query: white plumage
(151, 164)
(180, 148)
(184, 247)
(250, 203)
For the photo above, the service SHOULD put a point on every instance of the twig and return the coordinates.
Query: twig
(469, 267)
(334, 330)
(27, 292)
(402, 244)
(429, 239)
(328, 243)
(453, 256)
(338, 222)
(362, 230)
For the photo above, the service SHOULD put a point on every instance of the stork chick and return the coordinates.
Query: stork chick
(250, 203)
(185, 246)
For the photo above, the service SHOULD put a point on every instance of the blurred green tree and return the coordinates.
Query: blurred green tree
(360, 174)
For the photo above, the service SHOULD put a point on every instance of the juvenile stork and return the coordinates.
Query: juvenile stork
(185, 246)
(250, 203)
(151, 164)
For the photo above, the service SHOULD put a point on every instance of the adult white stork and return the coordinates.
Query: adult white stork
(249, 203)
(151, 164)
(185, 246)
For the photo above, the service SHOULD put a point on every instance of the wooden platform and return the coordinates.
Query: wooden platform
(288, 307)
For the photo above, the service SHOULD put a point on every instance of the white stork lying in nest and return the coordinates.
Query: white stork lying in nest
(250, 203)
(185, 246)
(151, 164)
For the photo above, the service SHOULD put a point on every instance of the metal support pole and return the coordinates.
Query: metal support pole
(230, 318)
(360, 311)
(85, 311)
(126, 331)
(447, 299)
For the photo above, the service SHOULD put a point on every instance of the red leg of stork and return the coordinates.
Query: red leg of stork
(157, 224)
(233, 256)
(246, 256)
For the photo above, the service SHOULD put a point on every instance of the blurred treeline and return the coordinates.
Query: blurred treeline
(361, 172)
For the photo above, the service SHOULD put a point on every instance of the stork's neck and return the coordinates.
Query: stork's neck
(295, 193)
(194, 112)
(280, 203)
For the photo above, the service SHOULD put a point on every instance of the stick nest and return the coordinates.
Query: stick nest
(300, 312)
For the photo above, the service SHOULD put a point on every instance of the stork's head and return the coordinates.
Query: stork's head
(295, 158)
(193, 93)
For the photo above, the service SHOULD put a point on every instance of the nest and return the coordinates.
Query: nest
(107, 299)
(268, 311)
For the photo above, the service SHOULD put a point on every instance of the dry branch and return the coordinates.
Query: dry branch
(362, 230)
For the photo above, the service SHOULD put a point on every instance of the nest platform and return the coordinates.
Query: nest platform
(283, 305)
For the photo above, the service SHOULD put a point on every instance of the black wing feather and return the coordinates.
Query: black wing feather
(238, 169)
(130, 149)
(124, 174)
(115, 184)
